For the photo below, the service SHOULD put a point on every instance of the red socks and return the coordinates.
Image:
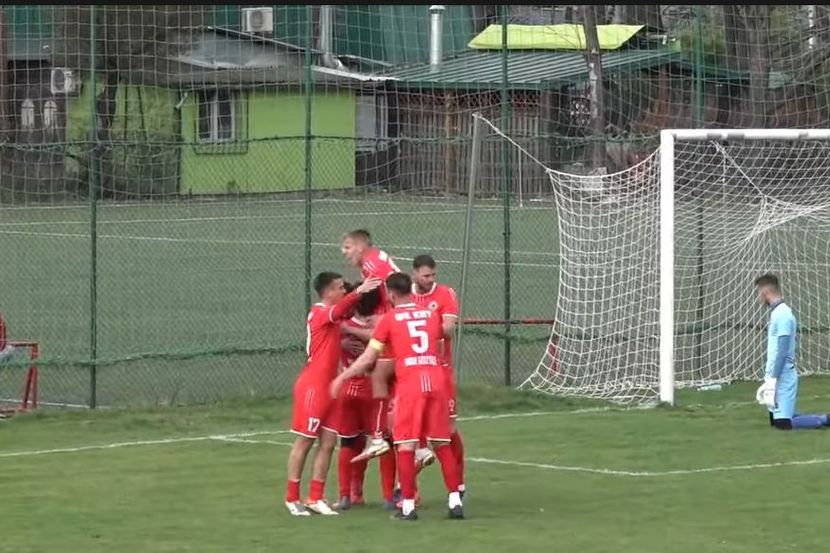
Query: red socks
(344, 469)
(292, 491)
(358, 469)
(449, 467)
(387, 474)
(406, 470)
(350, 476)
(457, 447)
(315, 491)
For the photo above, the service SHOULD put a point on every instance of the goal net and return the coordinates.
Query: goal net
(658, 262)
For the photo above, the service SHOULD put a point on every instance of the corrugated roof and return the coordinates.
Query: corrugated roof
(525, 70)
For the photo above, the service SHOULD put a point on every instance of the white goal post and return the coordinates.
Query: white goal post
(657, 263)
(668, 139)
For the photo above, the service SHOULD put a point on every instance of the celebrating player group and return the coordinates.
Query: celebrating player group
(379, 377)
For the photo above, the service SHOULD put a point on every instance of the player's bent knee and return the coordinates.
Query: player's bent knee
(782, 424)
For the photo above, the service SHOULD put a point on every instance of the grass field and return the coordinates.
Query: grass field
(543, 475)
(203, 300)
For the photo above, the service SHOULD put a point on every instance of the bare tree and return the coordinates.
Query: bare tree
(595, 91)
(134, 44)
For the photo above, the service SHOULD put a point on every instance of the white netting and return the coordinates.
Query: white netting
(742, 208)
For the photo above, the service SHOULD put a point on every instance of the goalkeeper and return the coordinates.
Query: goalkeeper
(780, 388)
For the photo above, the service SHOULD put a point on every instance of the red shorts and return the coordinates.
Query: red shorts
(449, 390)
(421, 415)
(352, 416)
(312, 408)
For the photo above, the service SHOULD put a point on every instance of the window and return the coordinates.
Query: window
(372, 125)
(50, 115)
(217, 116)
(27, 115)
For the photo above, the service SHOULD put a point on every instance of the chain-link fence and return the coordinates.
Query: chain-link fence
(170, 176)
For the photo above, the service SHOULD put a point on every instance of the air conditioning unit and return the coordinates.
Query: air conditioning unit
(63, 81)
(258, 20)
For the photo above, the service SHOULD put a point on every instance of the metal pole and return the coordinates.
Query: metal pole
(475, 156)
(308, 176)
(698, 70)
(93, 219)
(697, 122)
(506, 189)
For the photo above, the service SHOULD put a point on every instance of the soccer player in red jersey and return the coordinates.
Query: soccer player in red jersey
(421, 407)
(311, 395)
(372, 262)
(354, 407)
(429, 294)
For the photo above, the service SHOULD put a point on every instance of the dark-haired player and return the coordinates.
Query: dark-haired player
(421, 407)
(311, 395)
(353, 408)
(779, 392)
(429, 294)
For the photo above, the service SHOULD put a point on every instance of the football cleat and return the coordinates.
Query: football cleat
(344, 504)
(398, 515)
(456, 513)
(424, 457)
(357, 501)
(296, 509)
(320, 507)
(374, 448)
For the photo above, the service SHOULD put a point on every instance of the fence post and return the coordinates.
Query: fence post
(308, 84)
(93, 218)
(506, 190)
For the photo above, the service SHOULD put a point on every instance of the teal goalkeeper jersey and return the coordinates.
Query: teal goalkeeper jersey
(781, 338)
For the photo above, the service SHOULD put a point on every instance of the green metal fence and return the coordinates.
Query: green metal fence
(171, 180)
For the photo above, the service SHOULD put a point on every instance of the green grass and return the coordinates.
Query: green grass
(203, 300)
(210, 496)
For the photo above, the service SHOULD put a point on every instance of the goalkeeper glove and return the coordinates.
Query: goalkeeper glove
(766, 393)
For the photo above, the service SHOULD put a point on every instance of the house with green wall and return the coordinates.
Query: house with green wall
(228, 114)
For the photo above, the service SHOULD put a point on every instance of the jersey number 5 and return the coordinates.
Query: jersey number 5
(417, 332)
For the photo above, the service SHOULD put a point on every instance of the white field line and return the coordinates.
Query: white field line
(118, 445)
(246, 438)
(648, 474)
(212, 241)
(16, 401)
(233, 218)
(426, 201)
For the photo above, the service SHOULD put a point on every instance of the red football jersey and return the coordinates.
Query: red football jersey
(323, 338)
(415, 335)
(378, 264)
(441, 299)
(358, 386)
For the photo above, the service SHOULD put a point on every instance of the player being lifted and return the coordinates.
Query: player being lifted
(372, 262)
(354, 407)
(440, 298)
(421, 406)
(779, 391)
(312, 401)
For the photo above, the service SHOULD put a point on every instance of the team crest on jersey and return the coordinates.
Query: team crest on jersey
(433, 305)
